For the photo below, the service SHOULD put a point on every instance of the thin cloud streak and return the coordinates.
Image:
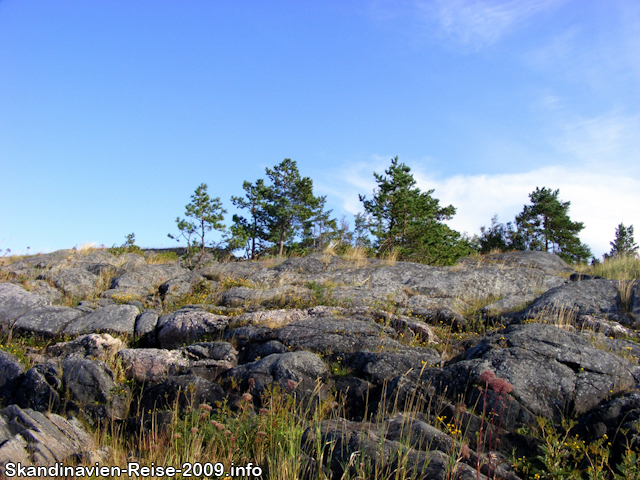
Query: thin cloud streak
(478, 22)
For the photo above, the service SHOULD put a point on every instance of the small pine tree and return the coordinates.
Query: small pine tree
(624, 244)
(207, 214)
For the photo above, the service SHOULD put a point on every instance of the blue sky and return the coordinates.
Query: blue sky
(113, 112)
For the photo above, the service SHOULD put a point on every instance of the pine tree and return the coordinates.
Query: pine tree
(248, 233)
(288, 203)
(624, 244)
(405, 219)
(545, 225)
(500, 236)
(207, 214)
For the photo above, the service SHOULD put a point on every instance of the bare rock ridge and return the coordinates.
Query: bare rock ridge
(386, 338)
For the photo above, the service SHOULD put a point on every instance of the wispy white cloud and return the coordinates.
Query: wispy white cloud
(600, 198)
(481, 22)
(608, 141)
(470, 23)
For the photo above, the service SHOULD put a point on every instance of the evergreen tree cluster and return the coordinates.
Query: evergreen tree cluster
(281, 214)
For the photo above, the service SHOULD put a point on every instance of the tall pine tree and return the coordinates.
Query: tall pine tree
(403, 218)
(289, 203)
(545, 225)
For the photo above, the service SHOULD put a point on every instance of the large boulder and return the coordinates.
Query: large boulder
(152, 365)
(75, 282)
(187, 326)
(553, 372)
(39, 389)
(93, 346)
(586, 297)
(46, 321)
(184, 391)
(337, 335)
(92, 388)
(237, 296)
(142, 281)
(33, 438)
(15, 301)
(112, 318)
(547, 262)
(292, 371)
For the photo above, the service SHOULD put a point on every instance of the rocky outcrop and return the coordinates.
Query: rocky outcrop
(390, 341)
(33, 438)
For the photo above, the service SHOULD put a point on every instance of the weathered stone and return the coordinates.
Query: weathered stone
(42, 288)
(47, 321)
(145, 329)
(261, 350)
(183, 390)
(112, 318)
(383, 366)
(151, 365)
(188, 325)
(291, 371)
(38, 390)
(95, 346)
(337, 335)
(92, 388)
(552, 371)
(587, 297)
(15, 301)
(142, 281)
(237, 296)
(11, 375)
(379, 297)
(38, 439)
(548, 263)
(180, 286)
(75, 282)
(270, 318)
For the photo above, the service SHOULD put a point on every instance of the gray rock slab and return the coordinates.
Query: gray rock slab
(151, 364)
(47, 321)
(383, 366)
(271, 318)
(75, 282)
(187, 326)
(112, 318)
(377, 297)
(147, 278)
(15, 301)
(586, 297)
(237, 296)
(336, 335)
(91, 385)
(547, 262)
(180, 286)
(38, 389)
(314, 263)
(42, 288)
(552, 371)
(466, 283)
(39, 439)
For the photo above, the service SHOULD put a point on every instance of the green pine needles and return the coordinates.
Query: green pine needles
(406, 220)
